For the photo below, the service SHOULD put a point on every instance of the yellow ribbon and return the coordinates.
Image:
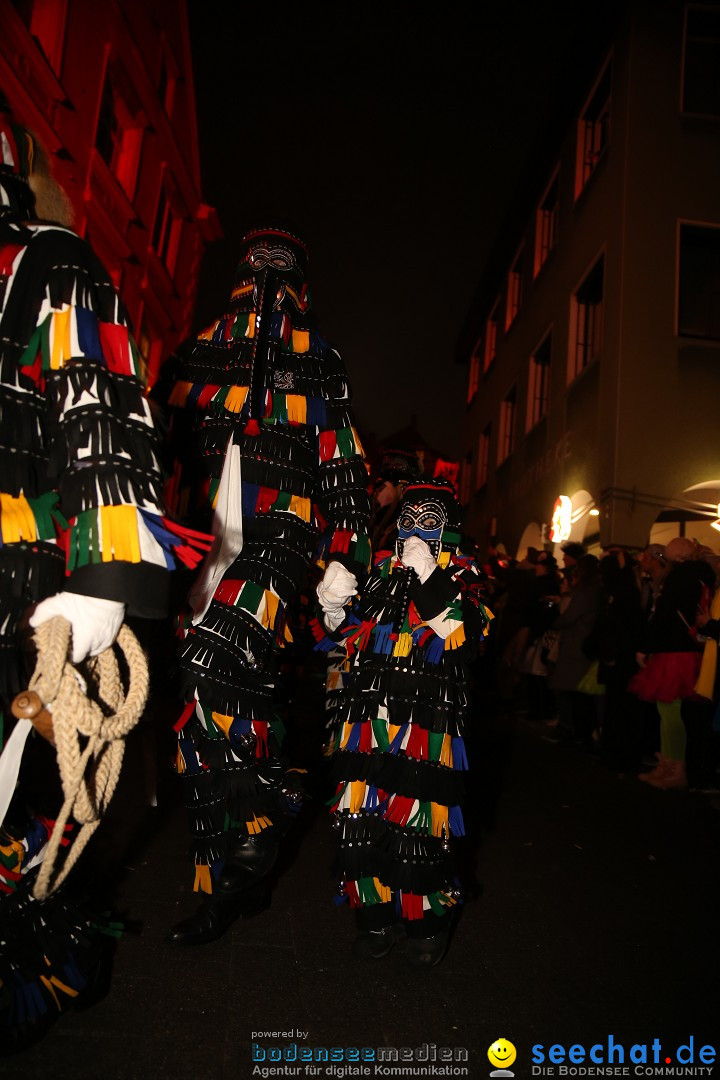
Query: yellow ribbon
(16, 519)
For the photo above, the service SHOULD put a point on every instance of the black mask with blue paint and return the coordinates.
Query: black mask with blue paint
(429, 510)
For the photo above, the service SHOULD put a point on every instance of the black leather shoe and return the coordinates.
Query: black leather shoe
(217, 913)
(250, 859)
(425, 952)
(374, 944)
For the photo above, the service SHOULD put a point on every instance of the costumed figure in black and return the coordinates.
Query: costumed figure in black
(399, 752)
(82, 535)
(397, 469)
(281, 470)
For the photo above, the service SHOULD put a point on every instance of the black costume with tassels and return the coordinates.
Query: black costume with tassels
(80, 512)
(269, 442)
(399, 753)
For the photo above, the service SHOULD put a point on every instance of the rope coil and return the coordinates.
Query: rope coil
(89, 735)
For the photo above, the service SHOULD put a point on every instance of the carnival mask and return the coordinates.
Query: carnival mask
(429, 510)
(271, 274)
(425, 521)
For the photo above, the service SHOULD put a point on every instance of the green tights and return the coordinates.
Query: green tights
(673, 736)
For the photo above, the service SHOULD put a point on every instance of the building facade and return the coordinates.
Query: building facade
(593, 343)
(108, 88)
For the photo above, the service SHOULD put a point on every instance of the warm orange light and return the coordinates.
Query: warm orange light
(561, 522)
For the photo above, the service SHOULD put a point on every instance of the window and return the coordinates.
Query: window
(586, 320)
(699, 282)
(491, 330)
(465, 478)
(118, 138)
(514, 290)
(506, 441)
(474, 375)
(166, 230)
(593, 131)
(701, 62)
(546, 225)
(167, 79)
(539, 382)
(483, 460)
(45, 19)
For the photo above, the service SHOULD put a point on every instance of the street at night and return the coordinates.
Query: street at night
(595, 914)
(364, 363)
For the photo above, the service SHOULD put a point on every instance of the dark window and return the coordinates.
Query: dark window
(586, 320)
(546, 225)
(593, 131)
(119, 132)
(506, 442)
(491, 332)
(701, 69)
(167, 82)
(539, 382)
(699, 284)
(161, 229)
(166, 230)
(474, 375)
(514, 291)
(109, 134)
(465, 478)
(483, 462)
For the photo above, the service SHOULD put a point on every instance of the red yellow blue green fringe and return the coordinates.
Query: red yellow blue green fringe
(73, 333)
(367, 891)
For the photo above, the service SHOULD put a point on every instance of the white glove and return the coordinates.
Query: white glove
(418, 555)
(95, 622)
(336, 588)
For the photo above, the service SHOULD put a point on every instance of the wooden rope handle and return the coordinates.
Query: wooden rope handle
(28, 706)
(88, 739)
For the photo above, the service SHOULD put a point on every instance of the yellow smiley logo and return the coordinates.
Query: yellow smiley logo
(502, 1053)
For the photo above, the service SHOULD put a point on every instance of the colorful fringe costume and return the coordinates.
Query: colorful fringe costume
(399, 752)
(79, 512)
(276, 456)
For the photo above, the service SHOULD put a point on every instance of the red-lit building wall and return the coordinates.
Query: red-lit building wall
(108, 88)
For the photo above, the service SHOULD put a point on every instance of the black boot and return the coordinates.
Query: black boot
(250, 859)
(218, 911)
(425, 952)
(374, 944)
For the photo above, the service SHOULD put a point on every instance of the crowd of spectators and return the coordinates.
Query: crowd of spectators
(616, 654)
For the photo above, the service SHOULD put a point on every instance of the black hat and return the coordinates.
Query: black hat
(573, 548)
(399, 466)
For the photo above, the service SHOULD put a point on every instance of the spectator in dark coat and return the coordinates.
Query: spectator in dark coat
(576, 713)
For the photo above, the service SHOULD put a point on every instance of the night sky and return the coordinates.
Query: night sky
(394, 136)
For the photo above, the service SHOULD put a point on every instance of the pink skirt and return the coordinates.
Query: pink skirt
(667, 676)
